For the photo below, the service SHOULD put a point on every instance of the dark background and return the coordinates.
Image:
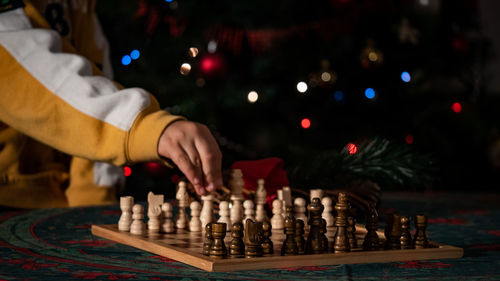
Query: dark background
(449, 49)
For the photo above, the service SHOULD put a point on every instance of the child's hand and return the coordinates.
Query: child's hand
(194, 150)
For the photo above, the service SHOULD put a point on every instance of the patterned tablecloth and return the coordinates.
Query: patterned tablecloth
(56, 244)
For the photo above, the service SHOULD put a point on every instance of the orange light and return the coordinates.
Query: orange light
(305, 123)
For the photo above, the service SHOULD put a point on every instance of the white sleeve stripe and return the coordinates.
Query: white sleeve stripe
(70, 76)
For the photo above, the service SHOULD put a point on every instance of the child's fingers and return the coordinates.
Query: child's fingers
(211, 159)
(194, 157)
(182, 160)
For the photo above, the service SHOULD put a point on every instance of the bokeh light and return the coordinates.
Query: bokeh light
(127, 171)
(212, 46)
(302, 87)
(135, 54)
(185, 69)
(326, 76)
(305, 123)
(352, 148)
(405, 76)
(193, 52)
(338, 95)
(456, 107)
(253, 96)
(126, 59)
(369, 93)
(409, 139)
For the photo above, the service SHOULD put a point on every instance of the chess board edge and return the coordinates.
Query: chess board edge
(184, 255)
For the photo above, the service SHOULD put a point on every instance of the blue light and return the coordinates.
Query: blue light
(126, 59)
(338, 95)
(369, 93)
(135, 54)
(405, 76)
(168, 1)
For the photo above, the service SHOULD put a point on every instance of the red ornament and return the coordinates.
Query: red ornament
(352, 148)
(456, 107)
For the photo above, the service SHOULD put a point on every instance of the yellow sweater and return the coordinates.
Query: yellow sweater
(55, 102)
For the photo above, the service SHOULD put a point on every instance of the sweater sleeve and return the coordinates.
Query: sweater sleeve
(54, 97)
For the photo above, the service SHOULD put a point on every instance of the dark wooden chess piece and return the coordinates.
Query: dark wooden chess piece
(253, 239)
(267, 243)
(324, 239)
(351, 232)
(289, 247)
(405, 238)
(218, 249)
(341, 240)
(299, 236)
(420, 240)
(237, 247)
(371, 241)
(314, 243)
(207, 244)
(394, 239)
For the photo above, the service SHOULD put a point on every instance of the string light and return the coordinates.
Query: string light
(326, 76)
(127, 171)
(338, 95)
(351, 148)
(135, 54)
(212, 46)
(168, 1)
(369, 93)
(456, 107)
(253, 96)
(302, 87)
(126, 59)
(193, 52)
(409, 139)
(305, 123)
(185, 69)
(405, 76)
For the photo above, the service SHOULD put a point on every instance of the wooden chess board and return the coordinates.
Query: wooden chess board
(186, 247)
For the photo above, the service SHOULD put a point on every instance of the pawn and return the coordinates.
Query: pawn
(420, 240)
(351, 232)
(405, 238)
(237, 247)
(289, 247)
(137, 227)
(327, 212)
(260, 213)
(126, 203)
(299, 236)
(168, 225)
(277, 220)
(248, 205)
(218, 249)
(371, 241)
(207, 244)
(181, 220)
(224, 213)
(267, 243)
(195, 222)
(299, 209)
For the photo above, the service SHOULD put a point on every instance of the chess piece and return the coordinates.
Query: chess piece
(181, 220)
(237, 247)
(314, 243)
(260, 213)
(324, 239)
(218, 249)
(224, 213)
(154, 212)
(248, 205)
(394, 232)
(371, 241)
(420, 240)
(279, 196)
(207, 211)
(253, 239)
(299, 236)
(327, 212)
(351, 232)
(316, 193)
(289, 247)
(195, 222)
(299, 208)
(236, 185)
(126, 203)
(405, 238)
(267, 243)
(168, 225)
(207, 244)
(287, 198)
(341, 240)
(260, 201)
(277, 220)
(137, 227)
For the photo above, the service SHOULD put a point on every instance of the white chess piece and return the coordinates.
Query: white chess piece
(195, 222)
(299, 208)
(260, 213)
(248, 205)
(327, 211)
(236, 211)
(126, 203)
(236, 185)
(279, 194)
(277, 221)
(167, 225)
(224, 215)
(137, 227)
(154, 212)
(181, 220)
(207, 211)
(260, 193)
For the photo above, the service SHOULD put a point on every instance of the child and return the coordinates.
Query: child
(55, 102)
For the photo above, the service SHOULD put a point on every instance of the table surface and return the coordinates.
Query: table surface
(56, 244)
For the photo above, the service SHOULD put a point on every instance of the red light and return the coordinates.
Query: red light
(305, 123)
(409, 139)
(207, 64)
(153, 167)
(456, 107)
(127, 171)
(352, 148)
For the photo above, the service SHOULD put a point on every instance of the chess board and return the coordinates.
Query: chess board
(186, 247)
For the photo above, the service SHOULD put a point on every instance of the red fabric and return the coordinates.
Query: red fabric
(269, 169)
